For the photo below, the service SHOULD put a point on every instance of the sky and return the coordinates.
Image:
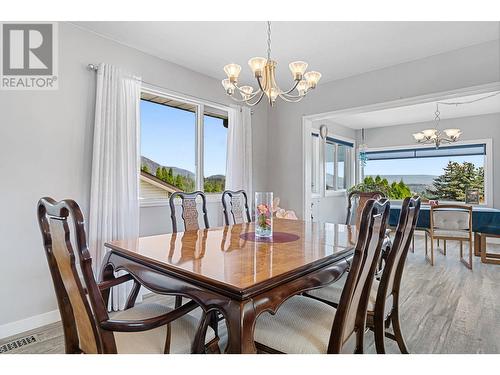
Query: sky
(168, 138)
(428, 166)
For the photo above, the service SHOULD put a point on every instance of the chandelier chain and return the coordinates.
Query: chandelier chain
(470, 101)
(268, 40)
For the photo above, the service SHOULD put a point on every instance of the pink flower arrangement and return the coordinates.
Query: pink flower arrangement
(264, 217)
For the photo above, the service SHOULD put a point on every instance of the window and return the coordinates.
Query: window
(215, 149)
(332, 165)
(338, 164)
(180, 150)
(444, 174)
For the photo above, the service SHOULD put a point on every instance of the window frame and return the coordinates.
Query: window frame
(488, 164)
(200, 105)
(321, 160)
(349, 169)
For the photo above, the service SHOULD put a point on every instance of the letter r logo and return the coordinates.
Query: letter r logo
(27, 49)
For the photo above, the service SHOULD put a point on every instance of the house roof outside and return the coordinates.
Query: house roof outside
(156, 182)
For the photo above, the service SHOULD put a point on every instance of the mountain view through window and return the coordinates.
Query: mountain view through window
(168, 149)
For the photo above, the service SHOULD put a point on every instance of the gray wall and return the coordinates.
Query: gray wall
(454, 70)
(474, 127)
(46, 148)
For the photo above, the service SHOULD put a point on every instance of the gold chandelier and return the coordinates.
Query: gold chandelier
(264, 71)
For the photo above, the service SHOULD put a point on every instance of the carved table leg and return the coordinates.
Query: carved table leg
(240, 318)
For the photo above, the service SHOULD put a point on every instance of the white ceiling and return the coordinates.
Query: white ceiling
(336, 49)
(422, 112)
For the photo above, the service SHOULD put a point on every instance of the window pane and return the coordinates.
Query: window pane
(342, 156)
(329, 166)
(167, 149)
(215, 149)
(443, 178)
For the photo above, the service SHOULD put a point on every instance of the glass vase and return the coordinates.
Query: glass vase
(263, 214)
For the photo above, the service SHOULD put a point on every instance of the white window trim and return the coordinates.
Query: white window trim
(488, 165)
(320, 170)
(351, 168)
(199, 144)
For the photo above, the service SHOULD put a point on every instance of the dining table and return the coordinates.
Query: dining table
(234, 273)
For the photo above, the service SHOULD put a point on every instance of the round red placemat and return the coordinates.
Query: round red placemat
(278, 237)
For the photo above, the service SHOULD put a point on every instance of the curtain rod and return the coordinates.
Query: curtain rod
(95, 68)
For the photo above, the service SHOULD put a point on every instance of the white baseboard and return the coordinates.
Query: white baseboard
(23, 325)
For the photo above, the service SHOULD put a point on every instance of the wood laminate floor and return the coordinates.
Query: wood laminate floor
(445, 309)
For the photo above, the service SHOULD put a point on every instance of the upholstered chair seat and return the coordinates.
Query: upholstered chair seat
(332, 293)
(451, 233)
(183, 330)
(301, 326)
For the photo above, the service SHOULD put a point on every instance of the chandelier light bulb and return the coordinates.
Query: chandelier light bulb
(302, 87)
(273, 94)
(257, 65)
(419, 136)
(246, 92)
(228, 86)
(312, 78)
(452, 133)
(298, 68)
(429, 133)
(232, 71)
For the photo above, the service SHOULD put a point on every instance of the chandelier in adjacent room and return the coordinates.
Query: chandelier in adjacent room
(436, 136)
(264, 71)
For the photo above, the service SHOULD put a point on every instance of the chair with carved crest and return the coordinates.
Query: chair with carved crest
(190, 219)
(305, 325)
(383, 302)
(235, 207)
(355, 203)
(189, 210)
(145, 328)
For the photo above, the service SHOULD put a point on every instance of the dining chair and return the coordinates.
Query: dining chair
(355, 203)
(145, 328)
(450, 222)
(235, 204)
(383, 302)
(305, 325)
(189, 210)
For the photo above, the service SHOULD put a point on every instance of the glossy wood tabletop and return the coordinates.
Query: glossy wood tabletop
(220, 255)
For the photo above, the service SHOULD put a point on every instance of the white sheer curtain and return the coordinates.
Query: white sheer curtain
(239, 150)
(114, 202)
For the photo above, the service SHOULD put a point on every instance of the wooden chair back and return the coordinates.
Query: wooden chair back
(390, 281)
(237, 208)
(80, 302)
(355, 203)
(189, 210)
(351, 312)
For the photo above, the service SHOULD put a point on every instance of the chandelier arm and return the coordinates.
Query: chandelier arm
(289, 100)
(293, 88)
(252, 94)
(257, 102)
(289, 96)
(260, 84)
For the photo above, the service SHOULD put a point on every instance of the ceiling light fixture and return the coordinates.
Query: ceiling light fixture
(264, 70)
(436, 136)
